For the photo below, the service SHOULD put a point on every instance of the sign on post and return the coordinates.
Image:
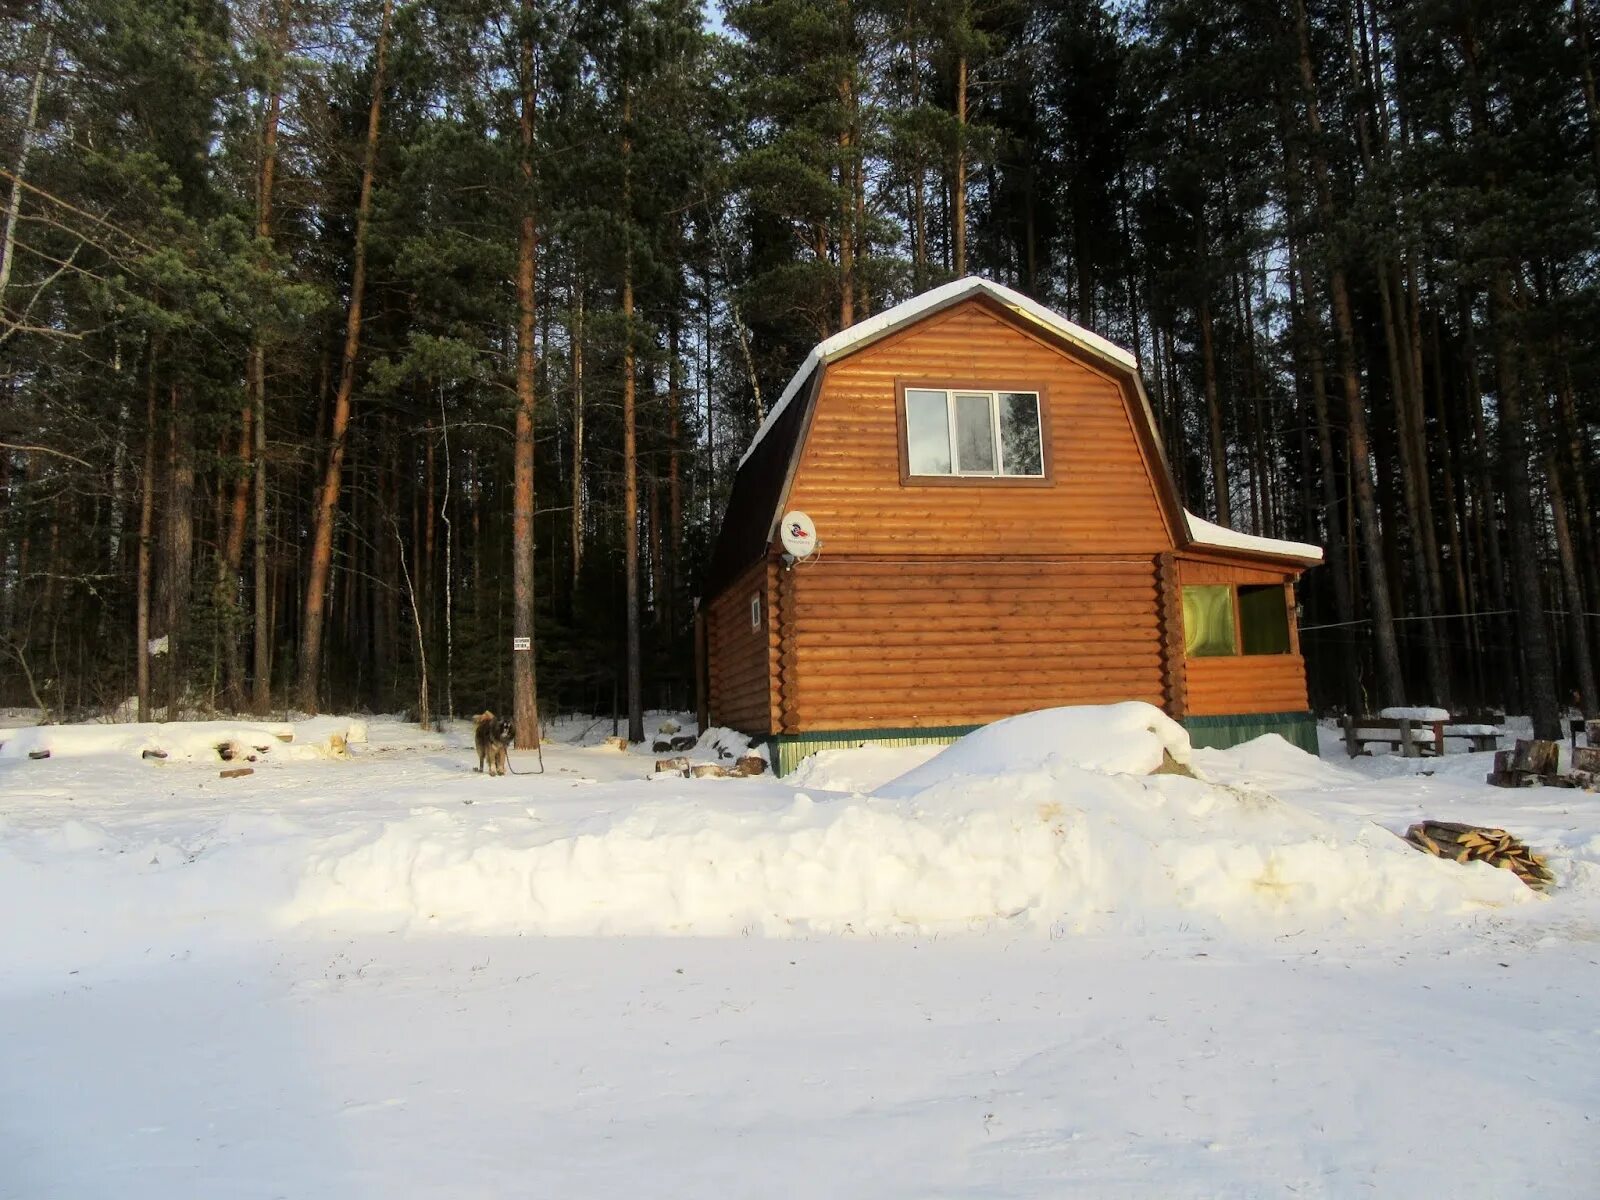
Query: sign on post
(522, 643)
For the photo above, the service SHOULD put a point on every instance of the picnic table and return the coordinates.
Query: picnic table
(1420, 732)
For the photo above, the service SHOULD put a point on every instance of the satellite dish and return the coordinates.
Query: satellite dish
(799, 533)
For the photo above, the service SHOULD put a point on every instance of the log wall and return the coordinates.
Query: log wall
(739, 670)
(869, 642)
(1246, 683)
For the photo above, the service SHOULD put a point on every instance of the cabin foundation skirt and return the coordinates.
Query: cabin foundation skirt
(787, 749)
(1221, 732)
(1218, 732)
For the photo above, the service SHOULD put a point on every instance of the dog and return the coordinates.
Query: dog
(492, 735)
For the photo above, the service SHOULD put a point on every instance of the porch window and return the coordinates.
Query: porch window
(1221, 619)
(1208, 621)
(973, 433)
(1264, 619)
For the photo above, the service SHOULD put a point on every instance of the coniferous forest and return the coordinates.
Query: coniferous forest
(342, 341)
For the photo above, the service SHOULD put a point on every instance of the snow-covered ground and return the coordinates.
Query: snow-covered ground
(1020, 967)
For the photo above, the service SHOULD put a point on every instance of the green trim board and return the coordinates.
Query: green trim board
(787, 749)
(1221, 732)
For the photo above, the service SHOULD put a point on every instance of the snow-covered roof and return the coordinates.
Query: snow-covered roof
(865, 332)
(1206, 533)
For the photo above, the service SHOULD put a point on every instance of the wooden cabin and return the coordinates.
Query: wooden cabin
(997, 531)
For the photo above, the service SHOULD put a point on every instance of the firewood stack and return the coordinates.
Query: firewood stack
(1469, 843)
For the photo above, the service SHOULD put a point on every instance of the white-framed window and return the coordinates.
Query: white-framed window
(755, 612)
(973, 433)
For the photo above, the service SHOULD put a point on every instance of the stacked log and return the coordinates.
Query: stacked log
(1476, 843)
(1532, 761)
(750, 764)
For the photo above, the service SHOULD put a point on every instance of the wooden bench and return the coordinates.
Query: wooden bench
(1417, 739)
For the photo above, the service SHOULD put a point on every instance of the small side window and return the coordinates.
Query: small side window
(1208, 621)
(755, 612)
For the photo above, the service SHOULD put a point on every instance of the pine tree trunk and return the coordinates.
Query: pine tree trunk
(630, 451)
(1537, 660)
(958, 216)
(1391, 681)
(147, 491)
(1311, 340)
(328, 497)
(1577, 625)
(846, 192)
(577, 439)
(658, 574)
(173, 580)
(674, 487)
(1538, 664)
(261, 692)
(1219, 443)
(1591, 105)
(1414, 487)
(8, 241)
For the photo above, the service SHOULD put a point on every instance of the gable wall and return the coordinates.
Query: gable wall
(1103, 499)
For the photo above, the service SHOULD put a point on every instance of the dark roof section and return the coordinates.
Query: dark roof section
(757, 492)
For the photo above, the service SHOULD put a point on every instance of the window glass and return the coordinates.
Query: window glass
(1020, 450)
(1208, 621)
(927, 432)
(1264, 619)
(974, 435)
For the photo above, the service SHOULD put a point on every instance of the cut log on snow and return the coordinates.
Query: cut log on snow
(661, 746)
(750, 764)
(155, 754)
(710, 771)
(1536, 757)
(236, 772)
(1477, 843)
(38, 754)
(672, 766)
(1586, 759)
(685, 742)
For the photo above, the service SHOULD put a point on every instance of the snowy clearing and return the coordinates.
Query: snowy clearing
(1021, 966)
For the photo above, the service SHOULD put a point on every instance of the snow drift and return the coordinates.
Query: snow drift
(1047, 822)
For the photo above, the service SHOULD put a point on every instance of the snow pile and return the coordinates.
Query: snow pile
(1046, 820)
(1271, 763)
(185, 741)
(1131, 738)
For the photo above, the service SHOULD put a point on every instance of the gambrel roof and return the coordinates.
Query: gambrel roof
(768, 463)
